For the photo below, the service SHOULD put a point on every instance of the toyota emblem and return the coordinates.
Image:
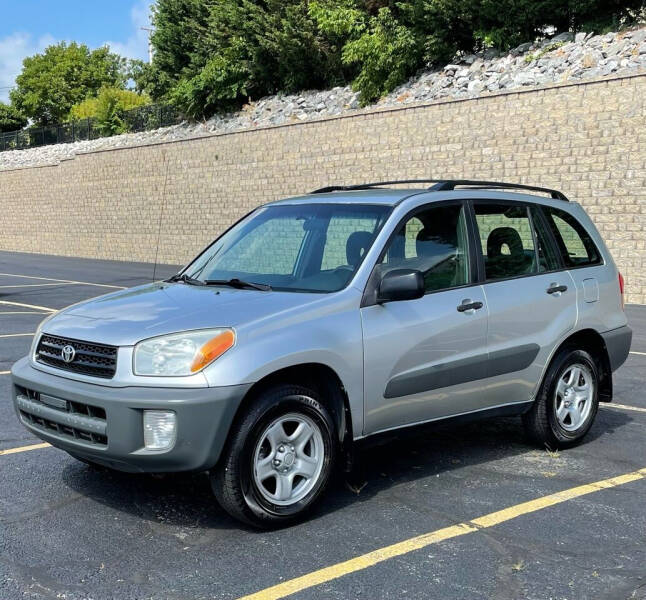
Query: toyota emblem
(68, 353)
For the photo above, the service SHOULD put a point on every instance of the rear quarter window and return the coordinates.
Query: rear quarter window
(575, 244)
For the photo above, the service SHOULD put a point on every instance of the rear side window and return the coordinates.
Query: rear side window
(506, 240)
(574, 242)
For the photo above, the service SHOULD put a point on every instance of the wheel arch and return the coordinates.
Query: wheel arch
(592, 342)
(318, 376)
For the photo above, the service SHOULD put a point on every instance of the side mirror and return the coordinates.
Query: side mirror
(401, 284)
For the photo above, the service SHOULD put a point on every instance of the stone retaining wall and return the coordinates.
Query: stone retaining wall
(587, 139)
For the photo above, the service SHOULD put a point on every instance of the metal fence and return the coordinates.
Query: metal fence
(143, 118)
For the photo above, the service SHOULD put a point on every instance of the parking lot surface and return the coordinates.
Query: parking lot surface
(574, 525)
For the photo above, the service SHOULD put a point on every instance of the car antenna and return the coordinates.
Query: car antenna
(161, 213)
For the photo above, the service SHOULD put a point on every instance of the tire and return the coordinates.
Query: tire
(563, 412)
(247, 481)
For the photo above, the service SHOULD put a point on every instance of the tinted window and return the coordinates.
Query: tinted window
(251, 256)
(576, 246)
(306, 247)
(344, 232)
(434, 242)
(506, 240)
(547, 257)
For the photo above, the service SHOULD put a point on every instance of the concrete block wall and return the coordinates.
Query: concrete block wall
(587, 139)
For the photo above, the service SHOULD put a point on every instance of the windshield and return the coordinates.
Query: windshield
(304, 247)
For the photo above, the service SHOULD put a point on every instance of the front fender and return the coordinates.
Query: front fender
(330, 335)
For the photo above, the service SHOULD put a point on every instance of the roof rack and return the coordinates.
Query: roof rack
(451, 184)
(367, 186)
(444, 185)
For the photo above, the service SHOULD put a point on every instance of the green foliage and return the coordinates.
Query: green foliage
(212, 55)
(63, 75)
(241, 48)
(11, 119)
(108, 108)
(384, 49)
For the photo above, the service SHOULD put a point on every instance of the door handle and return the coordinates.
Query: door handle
(556, 289)
(469, 306)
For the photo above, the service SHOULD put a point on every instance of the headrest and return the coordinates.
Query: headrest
(356, 246)
(501, 236)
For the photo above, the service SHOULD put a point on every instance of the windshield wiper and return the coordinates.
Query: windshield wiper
(238, 283)
(184, 278)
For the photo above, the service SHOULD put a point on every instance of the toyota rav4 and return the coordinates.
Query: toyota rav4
(317, 321)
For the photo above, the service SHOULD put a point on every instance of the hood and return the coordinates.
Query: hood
(127, 317)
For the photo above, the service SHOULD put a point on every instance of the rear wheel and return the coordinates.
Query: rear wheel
(279, 458)
(567, 401)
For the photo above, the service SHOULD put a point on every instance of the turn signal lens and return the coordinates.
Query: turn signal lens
(212, 349)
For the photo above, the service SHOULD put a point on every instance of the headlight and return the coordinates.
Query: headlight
(181, 354)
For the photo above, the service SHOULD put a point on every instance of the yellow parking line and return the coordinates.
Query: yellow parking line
(623, 407)
(640, 353)
(19, 312)
(45, 308)
(7, 335)
(24, 449)
(119, 287)
(416, 543)
(5, 372)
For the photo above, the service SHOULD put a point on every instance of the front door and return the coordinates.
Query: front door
(426, 358)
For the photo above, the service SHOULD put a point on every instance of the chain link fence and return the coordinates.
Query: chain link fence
(143, 118)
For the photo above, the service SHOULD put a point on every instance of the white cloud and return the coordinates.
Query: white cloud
(16, 46)
(136, 46)
(13, 49)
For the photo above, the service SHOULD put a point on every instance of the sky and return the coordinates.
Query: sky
(29, 26)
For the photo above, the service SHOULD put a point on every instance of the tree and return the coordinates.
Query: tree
(11, 119)
(211, 55)
(63, 75)
(240, 49)
(178, 40)
(109, 109)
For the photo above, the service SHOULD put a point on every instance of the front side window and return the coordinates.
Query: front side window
(506, 240)
(434, 241)
(304, 247)
(575, 244)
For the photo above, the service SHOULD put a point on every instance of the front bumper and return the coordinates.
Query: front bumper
(105, 424)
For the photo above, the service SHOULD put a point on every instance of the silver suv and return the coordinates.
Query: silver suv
(316, 321)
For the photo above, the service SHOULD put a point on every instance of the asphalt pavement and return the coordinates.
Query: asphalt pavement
(72, 532)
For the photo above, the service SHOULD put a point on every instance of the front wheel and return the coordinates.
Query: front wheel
(567, 402)
(279, 458)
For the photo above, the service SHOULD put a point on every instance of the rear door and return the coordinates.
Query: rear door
(597, 285)
(531, 300)
(426, 358)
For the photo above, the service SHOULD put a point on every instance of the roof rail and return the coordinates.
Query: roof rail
(444, 185)
(367, 186)
(451, 184)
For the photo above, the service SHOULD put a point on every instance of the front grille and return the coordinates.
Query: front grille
(75, 420)
(97, 360)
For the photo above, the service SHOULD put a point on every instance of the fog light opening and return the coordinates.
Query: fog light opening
(160, 429)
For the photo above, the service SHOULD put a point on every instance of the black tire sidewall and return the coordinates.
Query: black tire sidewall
(300, 403)
(563, 362)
